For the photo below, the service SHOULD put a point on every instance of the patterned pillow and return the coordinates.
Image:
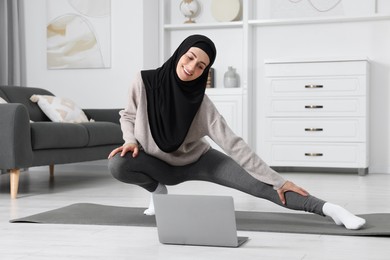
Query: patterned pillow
(59, 109)
(2, 101)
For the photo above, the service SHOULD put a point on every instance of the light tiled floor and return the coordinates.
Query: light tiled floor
(79, 183)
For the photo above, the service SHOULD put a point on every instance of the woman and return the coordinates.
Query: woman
(164, 125)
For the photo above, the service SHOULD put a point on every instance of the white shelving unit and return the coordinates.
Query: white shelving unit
(236, 46)
(229, 38)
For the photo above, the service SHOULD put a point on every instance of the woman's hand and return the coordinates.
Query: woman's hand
(289, 186)
(124, 149)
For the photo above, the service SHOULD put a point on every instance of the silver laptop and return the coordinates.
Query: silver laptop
(196, 220)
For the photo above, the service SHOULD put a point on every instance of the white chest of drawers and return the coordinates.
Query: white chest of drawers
(316, 113)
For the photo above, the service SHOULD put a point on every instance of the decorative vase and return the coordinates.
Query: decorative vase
(189, 8)
(230, 78)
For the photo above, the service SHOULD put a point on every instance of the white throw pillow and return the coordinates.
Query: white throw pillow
(59, 109)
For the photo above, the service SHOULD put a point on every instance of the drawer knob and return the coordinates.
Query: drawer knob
(314, 106)
(314, 86)
(314, 129)
(313, 154)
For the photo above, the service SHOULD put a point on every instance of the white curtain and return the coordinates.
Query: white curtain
(12, 43)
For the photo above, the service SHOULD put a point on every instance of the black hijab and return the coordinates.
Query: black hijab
(172, 103)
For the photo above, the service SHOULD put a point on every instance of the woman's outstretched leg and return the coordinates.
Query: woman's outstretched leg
(218, 168)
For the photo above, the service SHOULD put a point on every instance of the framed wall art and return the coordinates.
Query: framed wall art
(78, 34)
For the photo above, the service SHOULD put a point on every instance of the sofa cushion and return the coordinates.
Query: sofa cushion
(60, 109)
(103, 133)
(52, 135)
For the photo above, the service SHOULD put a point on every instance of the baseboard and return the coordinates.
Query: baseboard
(371, 170)
(380, 169)
(100, 166)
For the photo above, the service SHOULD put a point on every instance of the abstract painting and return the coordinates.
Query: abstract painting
(78, 34)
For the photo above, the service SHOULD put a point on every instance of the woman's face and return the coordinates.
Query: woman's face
(192, 64)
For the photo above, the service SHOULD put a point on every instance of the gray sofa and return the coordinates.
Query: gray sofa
(39, 142)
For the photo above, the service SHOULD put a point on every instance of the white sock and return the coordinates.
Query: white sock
(161, 189)
(342, 216)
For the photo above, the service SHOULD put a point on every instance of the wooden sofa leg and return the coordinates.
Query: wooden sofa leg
(51, 170)
(14, 182)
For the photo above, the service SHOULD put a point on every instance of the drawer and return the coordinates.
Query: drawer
(346, 86)
(313, 130)
(336, 68)
(316, 107)
(318, 155)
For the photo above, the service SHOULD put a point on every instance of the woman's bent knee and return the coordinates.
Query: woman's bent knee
(124, 170)
(118, 166)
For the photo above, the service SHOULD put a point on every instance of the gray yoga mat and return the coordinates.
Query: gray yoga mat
(95, 214)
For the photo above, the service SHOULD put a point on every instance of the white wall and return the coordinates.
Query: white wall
(135, 46)
(369, 39)
(133, 35)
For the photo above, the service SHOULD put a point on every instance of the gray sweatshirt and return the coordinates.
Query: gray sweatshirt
(207, 122)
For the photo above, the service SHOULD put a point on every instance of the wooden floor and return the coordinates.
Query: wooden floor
(80, 183)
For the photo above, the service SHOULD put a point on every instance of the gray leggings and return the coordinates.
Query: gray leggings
(147, 171)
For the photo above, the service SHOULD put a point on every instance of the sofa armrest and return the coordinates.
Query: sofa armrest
(106, 115)
(15, 137)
